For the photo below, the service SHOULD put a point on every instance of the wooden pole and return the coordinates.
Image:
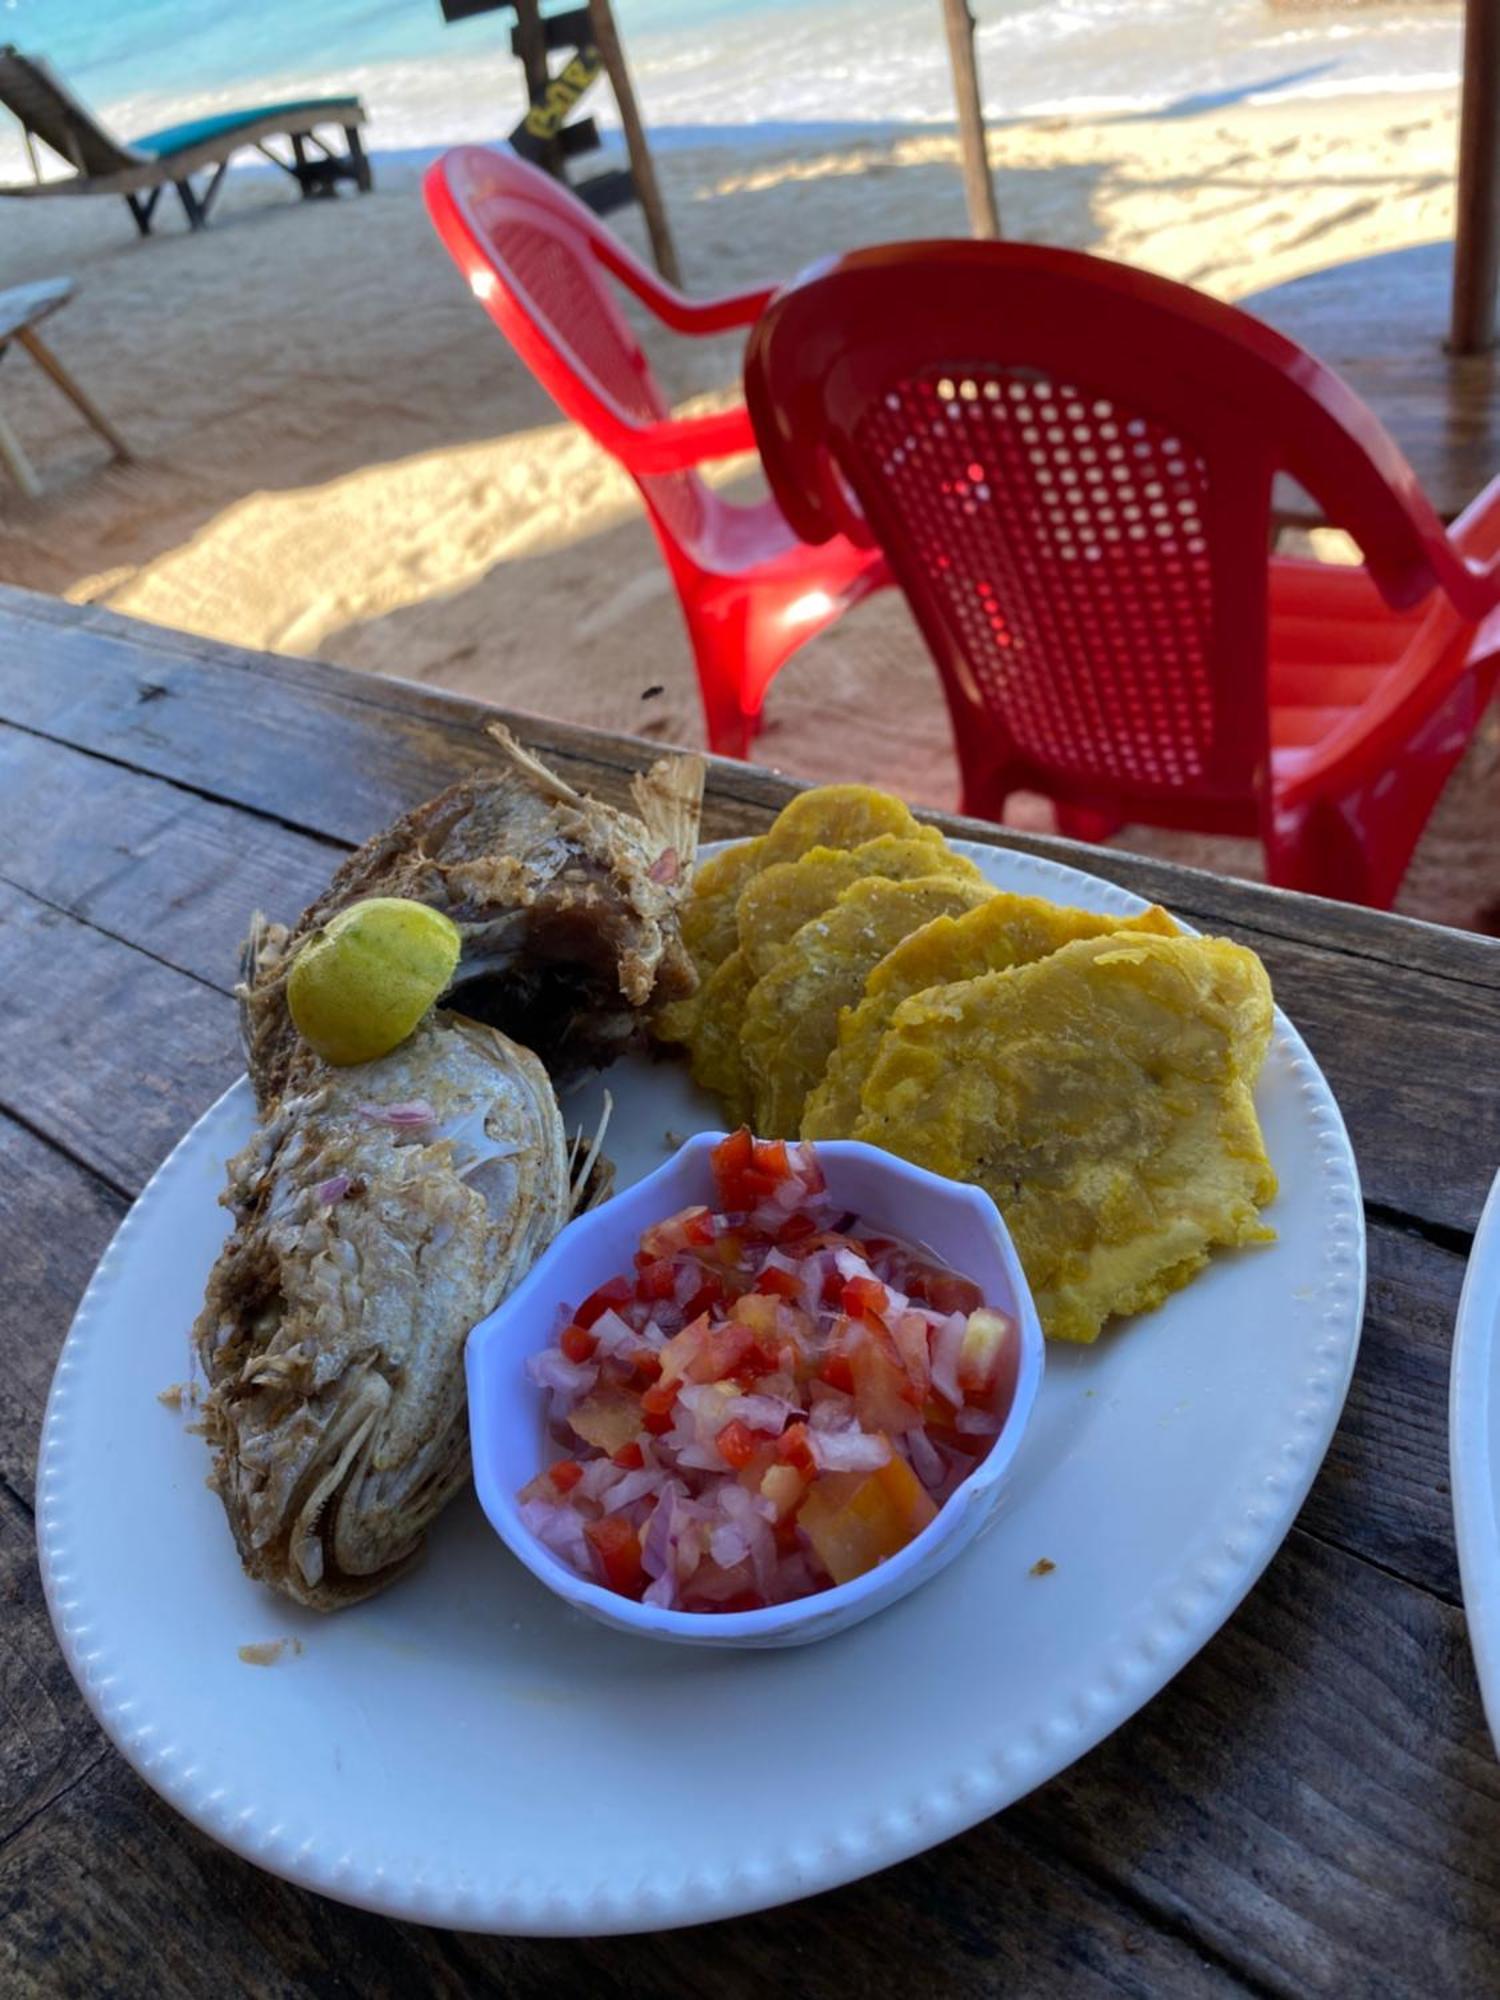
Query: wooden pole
(1476, 245)
(642, 168)
(531, 38)
(979, 189)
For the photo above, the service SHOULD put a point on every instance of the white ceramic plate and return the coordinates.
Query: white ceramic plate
(467, 1751)
(1474, 1451)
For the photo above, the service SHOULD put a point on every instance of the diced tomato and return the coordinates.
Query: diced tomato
(566, 1474)
(730, 1159)
(754, 1363)
(837, 1373)
(708, 1295)
(656, 1407)
(578, 1343)
(736, 1443)
(883, 1395)
(656, 1279)
(865, 1298)
(944, 1291)
(617, 1292)
(797, 1225)
(617, 1551)
(793, 1448)
(744, 1600)
(833, 1286)
(693, 1229)
(629, 1458)
(785, 1530)
(783, 1284)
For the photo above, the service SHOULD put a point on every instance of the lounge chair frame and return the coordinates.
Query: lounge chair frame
(48, 112)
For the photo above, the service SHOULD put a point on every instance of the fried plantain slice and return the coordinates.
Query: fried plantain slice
(1102, 1096)
(837, 816)
(1007, 930)
(779, 900)
(792, 1014)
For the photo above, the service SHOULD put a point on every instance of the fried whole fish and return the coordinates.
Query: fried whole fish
(569, 910)
(380, 1211)
(1102, 1097)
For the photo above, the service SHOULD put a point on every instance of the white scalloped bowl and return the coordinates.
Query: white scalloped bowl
(958, 1224)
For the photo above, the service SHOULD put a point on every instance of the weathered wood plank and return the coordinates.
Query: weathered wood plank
(159, 867)
(55, 1220)
(1315, 1798)
(106, 1052)
(111, 1892)
(1383, 1491)
(85, 675)
(47, 1737)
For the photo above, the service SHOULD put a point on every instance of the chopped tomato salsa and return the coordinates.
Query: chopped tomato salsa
(774, 1401)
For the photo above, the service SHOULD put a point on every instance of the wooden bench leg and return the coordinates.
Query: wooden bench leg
(48, 362)
(17, 463)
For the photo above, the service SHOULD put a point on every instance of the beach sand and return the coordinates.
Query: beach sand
(338, 456)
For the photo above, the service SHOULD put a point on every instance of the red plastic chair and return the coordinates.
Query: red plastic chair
(539, 262)
(1069, 466)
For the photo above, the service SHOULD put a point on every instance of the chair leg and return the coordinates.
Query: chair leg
(48, 362)
(192, 208)
(359, 160)
(17, 463)
(1084, 823)
(142, 208)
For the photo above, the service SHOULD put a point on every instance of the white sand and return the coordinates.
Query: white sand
(338, 455)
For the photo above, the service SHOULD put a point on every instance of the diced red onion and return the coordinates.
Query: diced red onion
(551, 1369)
(946, 1343)
(851, 1450)
(629, 1487)
(761, 1413)
(656, 1548)
(559, 1529)
(598, 1475)
(832, 1410)
(976, 1423)
(666, 867)
(701, 1458)
(728, 1545)
(661, 1591)
(926, 1460)
(851, 1265)
(612, 1332)
(334, 1189)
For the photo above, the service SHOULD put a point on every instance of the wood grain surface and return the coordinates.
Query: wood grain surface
(1312, 1807)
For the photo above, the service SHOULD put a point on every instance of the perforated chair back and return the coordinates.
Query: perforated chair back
(1068, 465)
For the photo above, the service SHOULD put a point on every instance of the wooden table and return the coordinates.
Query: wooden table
(1313, 1807)
(1382, 323)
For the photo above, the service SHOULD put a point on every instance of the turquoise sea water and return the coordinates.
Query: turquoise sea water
(716, 65)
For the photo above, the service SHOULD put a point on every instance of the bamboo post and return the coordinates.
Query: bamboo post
(979, 189)
(642, 168)
(1476, 245)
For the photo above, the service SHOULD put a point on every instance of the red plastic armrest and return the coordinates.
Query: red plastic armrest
(680, 442)
(683, 315)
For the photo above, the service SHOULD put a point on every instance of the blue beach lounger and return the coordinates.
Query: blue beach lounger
(141, 168)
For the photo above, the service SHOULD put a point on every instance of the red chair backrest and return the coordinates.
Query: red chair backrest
(538, 260)
(1069, 467)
